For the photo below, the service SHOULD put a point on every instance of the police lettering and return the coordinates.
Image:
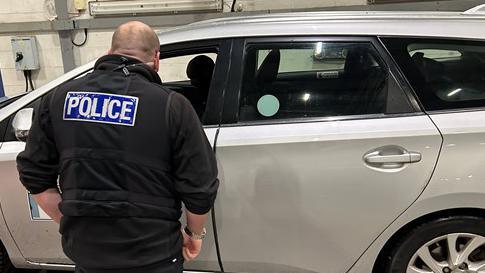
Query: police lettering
(100, 107)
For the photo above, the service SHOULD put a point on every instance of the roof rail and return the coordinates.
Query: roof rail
(476, 10)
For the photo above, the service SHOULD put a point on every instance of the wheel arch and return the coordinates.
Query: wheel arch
(404, 230)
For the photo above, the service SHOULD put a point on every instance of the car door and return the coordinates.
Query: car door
(35, 234)
(321, 148)
(182, 68)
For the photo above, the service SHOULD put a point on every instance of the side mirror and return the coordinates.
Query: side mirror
(22, 122)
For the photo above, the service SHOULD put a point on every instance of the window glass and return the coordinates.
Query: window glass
(6, 101)
(445, 74)
(440, 55)
(298, 80)
(191, 76)
(313, 59)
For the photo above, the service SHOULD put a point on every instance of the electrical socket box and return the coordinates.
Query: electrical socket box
(80, 4)
(25, 54)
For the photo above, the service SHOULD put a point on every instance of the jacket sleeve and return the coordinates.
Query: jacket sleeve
(194, 163)
(38, 163)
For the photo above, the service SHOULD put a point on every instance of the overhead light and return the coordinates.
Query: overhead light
(306, 97)
(454, 92)
(99, 8)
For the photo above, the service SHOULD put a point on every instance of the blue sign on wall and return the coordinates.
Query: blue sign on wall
(2, 92)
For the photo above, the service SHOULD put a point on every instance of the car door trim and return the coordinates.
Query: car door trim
(71, 266)
(320, 119)
(230, 110)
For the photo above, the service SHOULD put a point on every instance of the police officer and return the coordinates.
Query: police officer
(127, 152)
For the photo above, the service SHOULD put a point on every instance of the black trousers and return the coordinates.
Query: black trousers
(173, 267)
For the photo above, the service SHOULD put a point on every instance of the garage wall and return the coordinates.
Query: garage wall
(50, 61)
(98, 42)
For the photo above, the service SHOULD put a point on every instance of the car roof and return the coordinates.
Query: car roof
(361, 23)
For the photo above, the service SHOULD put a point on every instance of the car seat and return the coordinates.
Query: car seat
(199, 71)
(260, 85)
(365, 82)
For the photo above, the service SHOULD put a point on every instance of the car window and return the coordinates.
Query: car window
(191, 75)
(445, 74)
(312, 59)
(6, 101)
(318, 79)
(175, 69)
(431, 52)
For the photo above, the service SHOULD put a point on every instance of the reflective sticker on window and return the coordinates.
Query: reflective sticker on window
(101, 108)
(268, 105)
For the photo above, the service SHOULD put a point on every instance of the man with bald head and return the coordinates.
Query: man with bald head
(111, 156)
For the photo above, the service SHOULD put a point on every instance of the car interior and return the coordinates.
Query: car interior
(198, 72)
(358, 88)
(452, 79)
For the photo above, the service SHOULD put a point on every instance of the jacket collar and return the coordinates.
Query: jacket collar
(114, 62)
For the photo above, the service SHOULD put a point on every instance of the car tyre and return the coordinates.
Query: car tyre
(429, 247)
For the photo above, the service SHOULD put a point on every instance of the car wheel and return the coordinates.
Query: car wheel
(446, 245)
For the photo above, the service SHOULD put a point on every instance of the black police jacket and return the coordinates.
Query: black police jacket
(126, 151)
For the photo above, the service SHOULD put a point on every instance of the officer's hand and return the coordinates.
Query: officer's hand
(191, 248)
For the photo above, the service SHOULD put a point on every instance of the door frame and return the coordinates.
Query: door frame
(223, 48)
(230, 111)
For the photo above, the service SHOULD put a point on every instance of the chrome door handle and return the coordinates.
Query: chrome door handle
(407, 157)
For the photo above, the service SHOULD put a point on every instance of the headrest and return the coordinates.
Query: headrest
(200, 69)
(357, 61)
(431, 70)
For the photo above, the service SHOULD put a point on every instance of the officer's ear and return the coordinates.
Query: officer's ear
(156, 61)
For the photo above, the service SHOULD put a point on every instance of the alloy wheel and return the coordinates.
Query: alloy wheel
(451, 253)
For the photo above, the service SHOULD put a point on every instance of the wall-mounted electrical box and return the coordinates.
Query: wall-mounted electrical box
(25, 54)
(80, 4)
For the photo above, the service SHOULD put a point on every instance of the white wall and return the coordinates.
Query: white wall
(21, 11)
(98, 42)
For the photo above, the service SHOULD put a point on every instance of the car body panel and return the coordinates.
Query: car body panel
(29, 233)
(451, 187)
(285, 189)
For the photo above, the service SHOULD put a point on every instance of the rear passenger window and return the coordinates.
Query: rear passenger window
(445, 74)
(299, 80)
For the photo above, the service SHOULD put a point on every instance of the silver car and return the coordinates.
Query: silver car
(346, 142)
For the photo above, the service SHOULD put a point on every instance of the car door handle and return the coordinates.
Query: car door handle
(407, 157)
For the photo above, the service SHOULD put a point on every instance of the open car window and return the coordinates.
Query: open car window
(190, 74)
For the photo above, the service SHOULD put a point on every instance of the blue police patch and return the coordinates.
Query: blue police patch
(100, 107)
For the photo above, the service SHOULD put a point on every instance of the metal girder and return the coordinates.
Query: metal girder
(65, 36)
